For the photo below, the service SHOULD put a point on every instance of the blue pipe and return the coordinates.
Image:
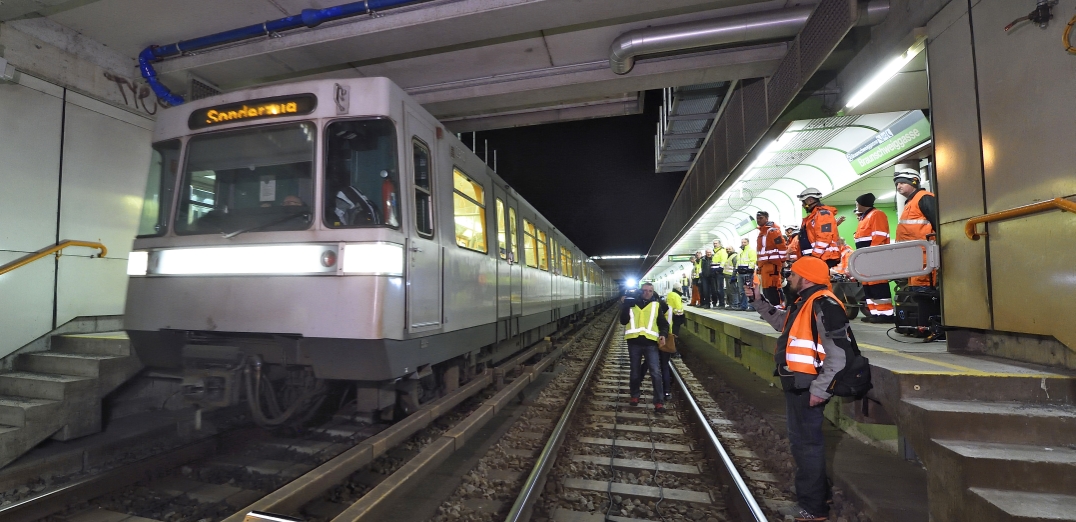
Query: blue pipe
(308, 18)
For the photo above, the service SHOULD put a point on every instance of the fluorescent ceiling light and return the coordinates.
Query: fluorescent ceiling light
(619, 257)
(373, 259)
(889, 195)
(890, 70)
(243, 260)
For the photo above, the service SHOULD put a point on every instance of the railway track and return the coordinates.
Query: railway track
(227, 476)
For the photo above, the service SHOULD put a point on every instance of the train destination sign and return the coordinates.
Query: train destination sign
(277, 107)
(908, 132)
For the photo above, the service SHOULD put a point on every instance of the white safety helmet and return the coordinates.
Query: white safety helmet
(809, 193)
(907, 173)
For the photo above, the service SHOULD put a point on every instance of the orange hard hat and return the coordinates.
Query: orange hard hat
(812, 269)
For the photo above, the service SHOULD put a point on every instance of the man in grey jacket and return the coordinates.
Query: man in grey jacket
(810, 352)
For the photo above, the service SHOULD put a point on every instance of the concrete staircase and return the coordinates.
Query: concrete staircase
(997, 460)
(58, 393)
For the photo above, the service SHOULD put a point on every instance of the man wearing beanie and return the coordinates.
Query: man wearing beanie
(873, 230)
(919, 219)
(810, 352)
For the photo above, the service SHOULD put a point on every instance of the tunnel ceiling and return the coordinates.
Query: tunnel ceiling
(462, 59)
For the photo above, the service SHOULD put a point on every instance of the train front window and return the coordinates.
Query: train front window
(254, 179)
(362, 176)
(160, 185)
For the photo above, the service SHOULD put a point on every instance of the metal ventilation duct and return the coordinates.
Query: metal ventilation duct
(687, 113)
(754, 27)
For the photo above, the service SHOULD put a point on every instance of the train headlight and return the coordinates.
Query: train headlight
(137, 263)
(373, 259)
(243, 260)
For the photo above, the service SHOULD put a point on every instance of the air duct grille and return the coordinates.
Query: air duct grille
(200, 88)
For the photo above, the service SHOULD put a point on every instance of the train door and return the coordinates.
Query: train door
(516, 269)
(424, 306)
(504, 256)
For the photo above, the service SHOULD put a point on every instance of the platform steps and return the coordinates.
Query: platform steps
(1000, 461)
(57, 393)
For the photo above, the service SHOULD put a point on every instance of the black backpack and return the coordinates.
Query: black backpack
(854, 380)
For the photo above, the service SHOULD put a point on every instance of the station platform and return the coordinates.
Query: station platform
(993, 434)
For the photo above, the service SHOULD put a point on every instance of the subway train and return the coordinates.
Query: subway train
(301, 235)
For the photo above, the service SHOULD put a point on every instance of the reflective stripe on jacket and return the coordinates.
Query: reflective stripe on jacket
(643, 322)
(820, 228)
(913, 222)
(748, 257)
(696, 267)
(873, 229)
(803, 351)
(770, 243)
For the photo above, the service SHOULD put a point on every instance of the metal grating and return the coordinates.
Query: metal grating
(785, 82)
(755, 117)
(734, 115)
(721, 149)
(201, 89)
(825, 28)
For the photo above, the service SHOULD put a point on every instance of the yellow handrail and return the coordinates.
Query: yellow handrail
(1058, 203)
(54, 249)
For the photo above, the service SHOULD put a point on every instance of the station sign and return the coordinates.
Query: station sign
(679, 258)
(276, 107)
(910, 131)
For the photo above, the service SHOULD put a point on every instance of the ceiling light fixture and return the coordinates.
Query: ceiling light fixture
(889, 71)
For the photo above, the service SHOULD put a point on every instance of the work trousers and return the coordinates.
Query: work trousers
(733, 292)
(879, 299)
(808, 450)
(704, 291)
(636, 352)
(677, 322)
(695, 294)
(742, 280)
(717, 290)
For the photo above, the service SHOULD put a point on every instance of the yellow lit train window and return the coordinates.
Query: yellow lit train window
(566, 262)
(468, 205)
(543, 260)
(529, 246)
(512, 235)
(501, 233)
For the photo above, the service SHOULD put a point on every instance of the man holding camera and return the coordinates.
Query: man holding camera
(643, 315)
(810, 351)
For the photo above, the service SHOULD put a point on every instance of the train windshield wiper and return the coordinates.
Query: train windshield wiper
(289, 217)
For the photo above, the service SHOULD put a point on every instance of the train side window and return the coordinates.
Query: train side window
(543, 260)
(513, 236)
(361, 174)
(566, 262)
(502, 249)
(468, 203)
(161, 183)
(423, 192)
(529, 244)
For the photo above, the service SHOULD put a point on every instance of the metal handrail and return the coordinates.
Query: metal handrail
(528, 495)
(1056, 203)
(54, 249)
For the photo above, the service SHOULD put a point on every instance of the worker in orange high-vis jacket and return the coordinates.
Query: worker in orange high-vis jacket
(770, 246)
(873, 230)
(791, 255)
(818, 232)
(846, 252)
(919, 218)
(809, 353)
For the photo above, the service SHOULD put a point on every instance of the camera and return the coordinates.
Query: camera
(632, 296)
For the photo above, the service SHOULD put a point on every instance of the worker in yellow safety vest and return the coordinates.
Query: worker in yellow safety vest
(643, 316)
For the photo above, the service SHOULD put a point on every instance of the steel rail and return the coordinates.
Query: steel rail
(524, 504)
(54, 249)
(746, 505)
(1056, 203)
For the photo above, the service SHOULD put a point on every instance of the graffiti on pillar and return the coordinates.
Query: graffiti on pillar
(135, 94)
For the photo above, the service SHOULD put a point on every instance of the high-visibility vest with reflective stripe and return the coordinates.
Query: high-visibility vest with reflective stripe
(748, 257)
(643, 322)
(913, 223)
(803, 350)
(873, 229)
(696, 268)
(842, 267)
(821, 229)
(685, 281)
(675, 302)
(770, 243)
